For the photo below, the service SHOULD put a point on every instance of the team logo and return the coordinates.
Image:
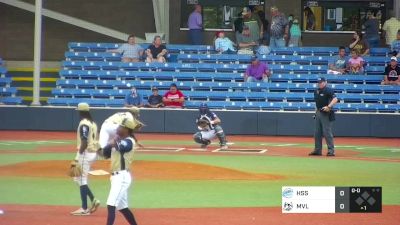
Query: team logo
(287, 193)
(287, 206)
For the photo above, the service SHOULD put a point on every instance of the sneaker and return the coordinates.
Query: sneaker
(330, 154)
(95, 205)
(81, 212)
(314, 154)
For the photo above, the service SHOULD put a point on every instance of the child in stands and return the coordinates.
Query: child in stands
(355, 65)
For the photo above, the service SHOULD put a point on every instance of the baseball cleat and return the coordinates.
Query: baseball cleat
(224, 147)
(314, 154)
(95, 205)
(81, 212)
(330, 154)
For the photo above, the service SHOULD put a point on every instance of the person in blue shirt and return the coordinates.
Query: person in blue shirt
(223, 44)
(133, 98)
(338, 63)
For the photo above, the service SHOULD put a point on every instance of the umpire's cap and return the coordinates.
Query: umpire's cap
(83, 107)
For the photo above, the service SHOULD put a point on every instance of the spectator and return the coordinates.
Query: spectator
(223, 44)
(264, 48)
(338, 64)
(174, 97)
(372, 30)
(133, 98)
(310, 18)
(392, 73)
(290, 23)
(245, 42)
(265, 26)
(155, 100)
(238, 26)
(355, 64)
(157, 51)
(279, 29)
(396, 45)
(195, 25)
(295, 34)
(359, 44)
(131, 52)
(254, 23)
(390, 28)
(257, 71)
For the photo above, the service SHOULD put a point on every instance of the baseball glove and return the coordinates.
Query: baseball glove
(75, 170)
(202, 123)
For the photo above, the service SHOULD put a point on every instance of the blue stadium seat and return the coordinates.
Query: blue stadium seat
(5, 81)
(379, 52)
(8, 91)
(375, 70)
(10, 100)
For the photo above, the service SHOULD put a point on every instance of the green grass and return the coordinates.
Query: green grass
(206, 193)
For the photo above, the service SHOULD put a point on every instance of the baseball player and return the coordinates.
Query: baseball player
(209, 126)
(87, 145)
(108, 129)
(120, 152)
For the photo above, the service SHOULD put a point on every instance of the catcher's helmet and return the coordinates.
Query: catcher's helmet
(203, 108)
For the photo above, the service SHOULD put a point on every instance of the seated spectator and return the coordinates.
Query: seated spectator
(155, 100)
(174, 97)
(396, 45)
(257, 71)
(295, 34)
(359, 44)
(355, 65)
(223, 44)
(131, 52)
(338, 63)
(157, 51)
(264, 48)
(133, 98)
(392, 73)
(245, 42)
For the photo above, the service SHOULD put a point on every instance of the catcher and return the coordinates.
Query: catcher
(87, 144)
(209, 126)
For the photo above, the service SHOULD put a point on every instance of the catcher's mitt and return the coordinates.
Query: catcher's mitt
(202, 123)
(75, 170)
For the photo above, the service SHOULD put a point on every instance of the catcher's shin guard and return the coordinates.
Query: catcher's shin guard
(198, 139)
(221, 135)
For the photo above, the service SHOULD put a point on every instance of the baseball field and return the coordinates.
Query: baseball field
(177, 183)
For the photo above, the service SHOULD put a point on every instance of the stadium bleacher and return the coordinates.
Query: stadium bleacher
(7, 93)
(90, 74)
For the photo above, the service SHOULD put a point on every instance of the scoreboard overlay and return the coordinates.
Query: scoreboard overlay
(331, 199)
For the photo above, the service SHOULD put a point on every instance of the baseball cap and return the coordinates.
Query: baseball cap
(134, 110)
(154, 88)
(321, 79)
(203, 105)
(84, 107)
(254, 58)
(393, 58)
(246, 10)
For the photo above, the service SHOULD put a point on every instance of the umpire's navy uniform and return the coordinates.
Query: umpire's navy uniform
(323, 120)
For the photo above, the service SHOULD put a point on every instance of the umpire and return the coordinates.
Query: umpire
(325, 99)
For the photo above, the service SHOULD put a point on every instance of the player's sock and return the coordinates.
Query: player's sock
(89, 193)
(83, 192)
(128, 216)
(110, 215)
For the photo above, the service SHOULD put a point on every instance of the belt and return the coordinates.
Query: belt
(118, 172)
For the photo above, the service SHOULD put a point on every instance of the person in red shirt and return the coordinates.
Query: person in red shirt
(174, 97)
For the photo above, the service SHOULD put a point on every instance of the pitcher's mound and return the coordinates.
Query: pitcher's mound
(152, 170)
